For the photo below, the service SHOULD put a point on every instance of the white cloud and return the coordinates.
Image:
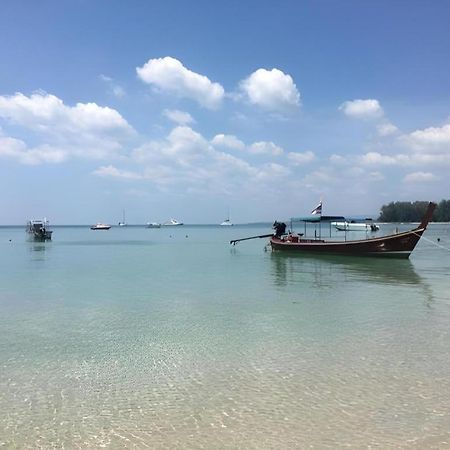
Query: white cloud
(43, 112)
(272, 90)
(338, 159)
(257, 148)
(185, 161)
(375, 158)
(117, 90)
(362, 109)
(18, 150)
(169, 75)
(267, 148)
(386, 129)
(85, 130)
(228, 141)
(419, 177)
(111, 171)
(432, 139)
(301, 158)
(179, 117)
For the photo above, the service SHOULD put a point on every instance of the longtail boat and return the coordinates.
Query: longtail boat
(399, 245)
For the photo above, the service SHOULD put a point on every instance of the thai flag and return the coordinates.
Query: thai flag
(317, 209)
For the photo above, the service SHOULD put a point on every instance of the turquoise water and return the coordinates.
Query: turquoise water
(171, 338)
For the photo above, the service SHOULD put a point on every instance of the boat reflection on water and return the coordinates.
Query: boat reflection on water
(333, 270)
(38, 249)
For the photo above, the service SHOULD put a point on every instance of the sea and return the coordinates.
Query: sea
(172, 338)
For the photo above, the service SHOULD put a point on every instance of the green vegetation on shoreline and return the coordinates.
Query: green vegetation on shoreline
(413, 211)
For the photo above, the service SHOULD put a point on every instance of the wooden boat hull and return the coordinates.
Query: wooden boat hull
(394, 246)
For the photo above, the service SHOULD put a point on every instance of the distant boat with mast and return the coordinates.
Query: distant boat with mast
(227, 222)
(123, 223)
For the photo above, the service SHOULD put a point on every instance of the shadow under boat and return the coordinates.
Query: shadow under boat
(385, 271)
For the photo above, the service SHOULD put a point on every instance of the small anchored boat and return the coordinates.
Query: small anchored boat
(355, 226)
(226, 223)
(153, 225)
(39, 230)
(172, 223)
(100, 226)
(123, 223)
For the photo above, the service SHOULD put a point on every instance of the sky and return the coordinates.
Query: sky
(202, 109)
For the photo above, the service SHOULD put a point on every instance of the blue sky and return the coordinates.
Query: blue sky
(191, 109)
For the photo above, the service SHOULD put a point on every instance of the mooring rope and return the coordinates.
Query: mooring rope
(434, 243)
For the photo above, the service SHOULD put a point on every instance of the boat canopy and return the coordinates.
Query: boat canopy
(318, 218)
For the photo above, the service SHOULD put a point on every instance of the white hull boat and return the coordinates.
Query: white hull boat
(355, 226)
(172, 223)
(100, 226)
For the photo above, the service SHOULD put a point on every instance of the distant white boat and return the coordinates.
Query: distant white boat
(153, 225)
(123, 223)
(355, 226)
(100, 226)
(227, 222)
(172, 222)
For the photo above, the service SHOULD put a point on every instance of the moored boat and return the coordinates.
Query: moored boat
(355, 226)
(100, 226)
(123, 223)
(172, 223)
(398, 245)
(39, 230)
(226, 223)
(153, 225)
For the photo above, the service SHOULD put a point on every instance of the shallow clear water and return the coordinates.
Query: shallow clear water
(171, 338)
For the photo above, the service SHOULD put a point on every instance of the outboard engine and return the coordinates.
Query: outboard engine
(279, 227)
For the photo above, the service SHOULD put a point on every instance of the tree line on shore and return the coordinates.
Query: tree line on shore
(413, 211)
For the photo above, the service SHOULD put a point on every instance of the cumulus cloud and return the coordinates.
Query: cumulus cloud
(271, 90)
(419, 177)
(299, 158)
(111, 171)
(185, 161)
(362, 109)
(270, 171)
(265, 148)
(84, 130)
(386, 129)
(257, 148)
(435, 139)
(375, 158)
(169, 75)
(18, 150)
(228, 141)
(179, 117)
(44, 112)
